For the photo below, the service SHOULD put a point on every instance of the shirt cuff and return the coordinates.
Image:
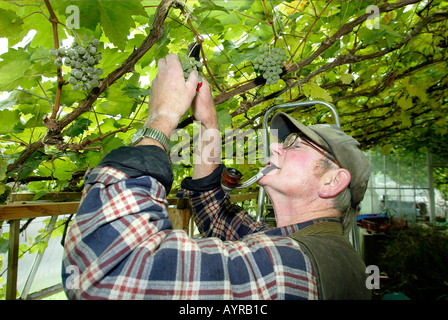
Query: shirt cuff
(144, 160)
(212, 181)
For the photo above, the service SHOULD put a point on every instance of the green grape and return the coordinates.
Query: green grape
(95, 42)
(81, 51)
(190, 64)
(58, 62)
(72, 80)
(53, 52)
(73, 54)
(78, 74)
(61, 51)
(94, 83)
(91, 61)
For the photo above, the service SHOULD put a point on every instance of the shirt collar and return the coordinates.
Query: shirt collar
(290, 229)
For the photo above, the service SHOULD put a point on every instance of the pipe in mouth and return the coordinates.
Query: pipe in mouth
(231, 178)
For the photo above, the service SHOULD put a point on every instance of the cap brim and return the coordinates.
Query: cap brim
(282, 125)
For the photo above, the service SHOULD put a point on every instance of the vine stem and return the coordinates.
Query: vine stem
(54, 21)
(270, 21)
(307, 34)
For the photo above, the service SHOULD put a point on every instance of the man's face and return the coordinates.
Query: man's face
(296, 175)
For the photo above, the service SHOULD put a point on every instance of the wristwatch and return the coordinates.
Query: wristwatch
(153, 134)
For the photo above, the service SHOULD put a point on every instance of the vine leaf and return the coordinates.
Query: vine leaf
(10, 26)
(77, 128)
(405, 103)
(63, 169)
(13, 69)
(405, 119)
(117, 19)
(8, 119)
(224, 119)
(347, 78)
(312, 90)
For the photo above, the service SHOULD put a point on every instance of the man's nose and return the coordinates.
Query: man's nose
(277, 148)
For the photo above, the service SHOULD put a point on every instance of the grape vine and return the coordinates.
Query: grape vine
(82, 60)
(269, 63)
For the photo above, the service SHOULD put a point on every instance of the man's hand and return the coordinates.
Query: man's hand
(208, 155)
(204, 108)
(170, 95)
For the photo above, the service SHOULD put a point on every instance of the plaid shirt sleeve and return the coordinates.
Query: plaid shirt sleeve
(121, 245)
(216, 216)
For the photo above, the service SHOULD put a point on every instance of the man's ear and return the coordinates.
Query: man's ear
(333, 182)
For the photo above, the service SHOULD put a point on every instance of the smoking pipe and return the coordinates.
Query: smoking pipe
(231, 178)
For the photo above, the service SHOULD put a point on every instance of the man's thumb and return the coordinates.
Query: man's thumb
(192, 81)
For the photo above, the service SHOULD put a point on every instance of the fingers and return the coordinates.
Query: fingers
(192, 81)
(205, 88)
(161, 64)
(171, 61)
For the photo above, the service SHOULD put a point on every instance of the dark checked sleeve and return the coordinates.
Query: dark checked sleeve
(214, 214)
(121, 245)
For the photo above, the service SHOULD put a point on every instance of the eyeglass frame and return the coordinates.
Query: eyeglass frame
(307, 142)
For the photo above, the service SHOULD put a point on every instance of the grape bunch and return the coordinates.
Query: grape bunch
(190, 64)
(269, 63)
(82, 59)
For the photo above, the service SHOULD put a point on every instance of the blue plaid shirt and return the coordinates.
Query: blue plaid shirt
(121, 244)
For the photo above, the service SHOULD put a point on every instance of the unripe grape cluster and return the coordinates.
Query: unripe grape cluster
(190, 64)
(82, 59)
(269, 63)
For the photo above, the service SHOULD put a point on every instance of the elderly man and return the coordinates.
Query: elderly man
(121, 244)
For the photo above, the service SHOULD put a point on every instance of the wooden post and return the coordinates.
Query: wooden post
(13, 259)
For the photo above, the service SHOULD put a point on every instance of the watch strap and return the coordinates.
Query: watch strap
(153, 134)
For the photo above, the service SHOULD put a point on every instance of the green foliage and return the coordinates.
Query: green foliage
(415, 260)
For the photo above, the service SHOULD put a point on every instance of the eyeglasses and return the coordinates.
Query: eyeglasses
(295, 138)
